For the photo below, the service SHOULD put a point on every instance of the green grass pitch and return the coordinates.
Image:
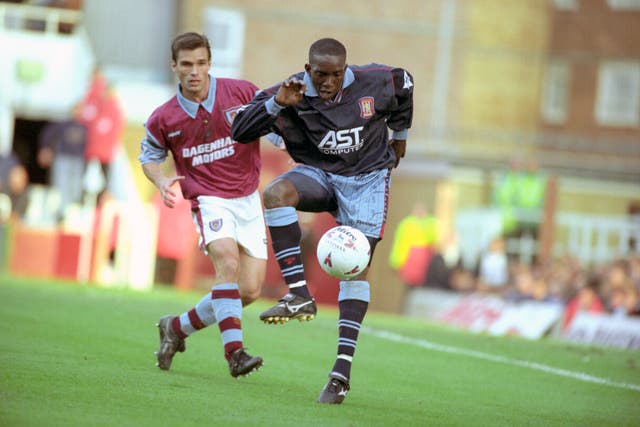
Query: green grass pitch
(75, 355)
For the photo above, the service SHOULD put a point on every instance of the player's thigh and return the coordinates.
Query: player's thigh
(214, 219)
(363, 201)
(225, 256)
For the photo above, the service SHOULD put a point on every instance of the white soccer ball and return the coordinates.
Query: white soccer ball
(343, 252)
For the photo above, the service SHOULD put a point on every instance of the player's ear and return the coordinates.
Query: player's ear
(307, 68)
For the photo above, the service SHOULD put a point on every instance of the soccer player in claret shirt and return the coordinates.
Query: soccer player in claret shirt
(333, 119)
(220, 178)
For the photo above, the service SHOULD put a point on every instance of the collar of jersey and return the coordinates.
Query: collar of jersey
(311, 90)
(190, 107)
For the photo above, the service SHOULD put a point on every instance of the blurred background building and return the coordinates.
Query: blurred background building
(547, 88)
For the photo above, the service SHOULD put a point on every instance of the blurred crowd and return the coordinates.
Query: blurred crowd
(67, 149)
(611, 287)
(424, 256)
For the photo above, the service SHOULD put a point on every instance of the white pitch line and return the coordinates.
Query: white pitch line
(499, 359)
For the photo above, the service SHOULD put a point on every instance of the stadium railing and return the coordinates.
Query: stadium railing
(588, 237)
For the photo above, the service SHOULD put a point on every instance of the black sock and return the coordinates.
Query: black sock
(286, 245)
(352, 313)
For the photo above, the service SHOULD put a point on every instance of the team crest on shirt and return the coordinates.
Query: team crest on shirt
(216, 224)
(231, 113)
(366, 107)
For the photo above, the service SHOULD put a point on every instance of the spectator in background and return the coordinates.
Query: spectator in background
(438, 271)
(616, 302)
(523, 284)
(61, 149)
(493, 269)
(520, 195)
(461, 280)
(101, 113)
(450, 249)
(14, 180)
(530, 284)
(617, 275)
(505, 197)
(540, 292)
(564, 277)
(632, 302)
(619, 289)
(586, 300)
(532, 185)
(634, 270)
(414, 245)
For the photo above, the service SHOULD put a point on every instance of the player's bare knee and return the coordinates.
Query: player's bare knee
(280, 193)
(247, 299)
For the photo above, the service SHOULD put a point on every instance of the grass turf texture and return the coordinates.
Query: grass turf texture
(83, 356)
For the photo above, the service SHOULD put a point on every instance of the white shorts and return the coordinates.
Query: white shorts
(241, 219)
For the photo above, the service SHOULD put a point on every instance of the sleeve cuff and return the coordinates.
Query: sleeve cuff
(400, 134)
(272, 106)
(275, 139)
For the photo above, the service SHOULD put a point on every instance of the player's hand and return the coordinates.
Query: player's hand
(399, 147)
(169, 195)
(290, 92)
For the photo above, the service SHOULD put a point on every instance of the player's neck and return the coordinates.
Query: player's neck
(197, 97)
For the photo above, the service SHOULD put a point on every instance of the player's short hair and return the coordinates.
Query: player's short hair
(327, 46)
(189, 41)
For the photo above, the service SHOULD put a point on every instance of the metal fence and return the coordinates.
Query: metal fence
(593, 239)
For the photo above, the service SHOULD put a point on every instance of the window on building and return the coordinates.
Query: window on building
(555, 93)
(624, 4)
(565, 4)
(225, 29)
(618, 97)
(131, 38)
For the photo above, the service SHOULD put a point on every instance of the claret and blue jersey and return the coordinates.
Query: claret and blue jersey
(199, 137)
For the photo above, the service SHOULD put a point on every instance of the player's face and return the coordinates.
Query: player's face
(192, 69)
(327, 73)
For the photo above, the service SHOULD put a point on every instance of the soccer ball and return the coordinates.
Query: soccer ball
(343, 252)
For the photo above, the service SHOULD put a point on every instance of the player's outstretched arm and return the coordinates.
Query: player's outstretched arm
(253, 120)
(258, 117)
